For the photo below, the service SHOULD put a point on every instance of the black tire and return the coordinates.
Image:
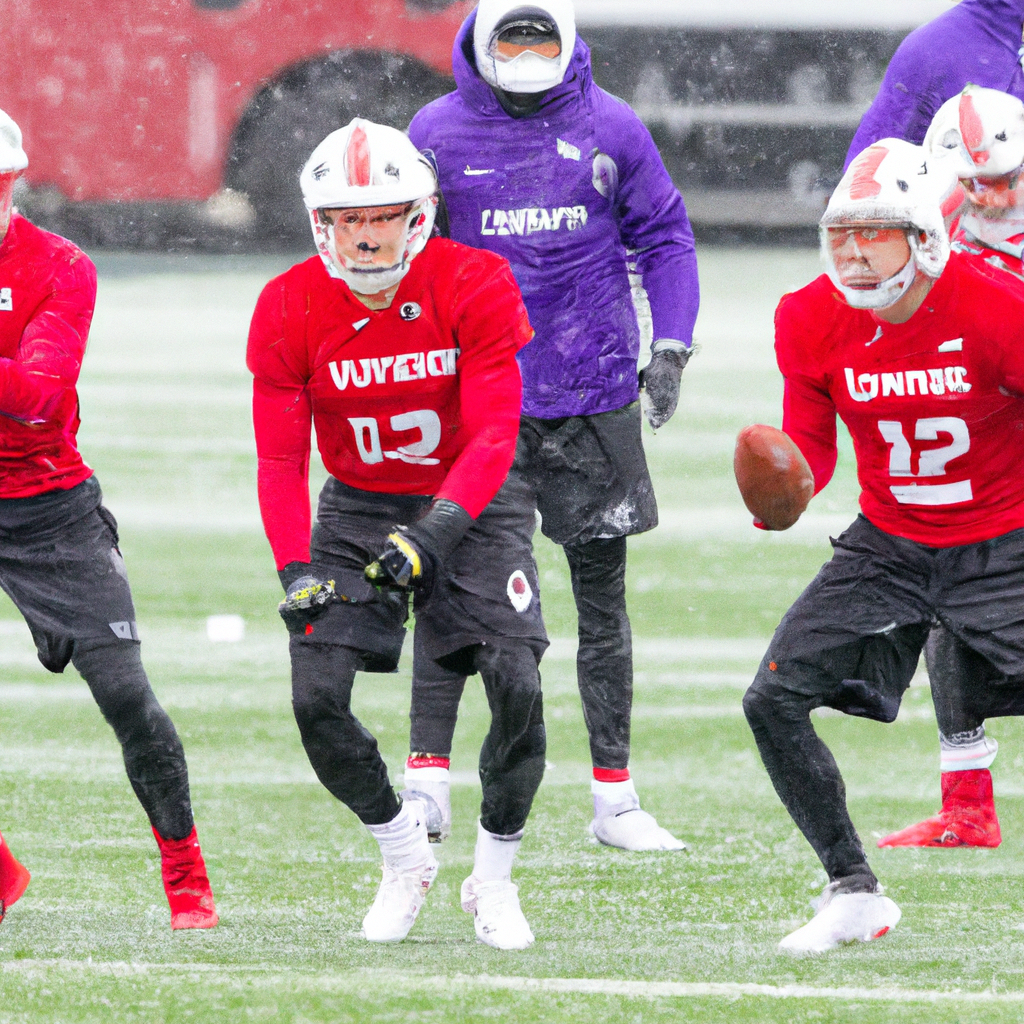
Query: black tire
(288, 119)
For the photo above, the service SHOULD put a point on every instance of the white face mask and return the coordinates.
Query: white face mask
(370, 281)
(993, 231)
(884, 294)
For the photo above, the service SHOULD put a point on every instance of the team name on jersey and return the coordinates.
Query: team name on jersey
(907, 383)
(531, 220)
(408, 366)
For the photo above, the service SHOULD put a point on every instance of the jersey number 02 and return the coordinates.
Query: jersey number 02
(931, 462)
(425, 421)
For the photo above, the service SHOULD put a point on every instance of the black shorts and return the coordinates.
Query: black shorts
(60, 564)
(855, 635)
(487, 590)
(588, 475)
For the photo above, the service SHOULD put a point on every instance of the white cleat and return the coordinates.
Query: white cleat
(398, 902)
(842, 918)
(497, 916)
(635, 830)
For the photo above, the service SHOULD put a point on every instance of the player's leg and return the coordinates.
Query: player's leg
(346, 760)
(968, 813)
(851, 642)
(14, 878)
(511, 769)
(155, 764)
(604, 672)
(63, 570)
(436, 693)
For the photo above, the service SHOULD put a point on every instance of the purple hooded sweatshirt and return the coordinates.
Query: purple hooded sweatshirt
(977, 41)
(562, 194)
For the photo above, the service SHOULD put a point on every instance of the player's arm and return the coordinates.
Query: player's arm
(49, 355)
(907, 99)
(491, 326)
(655, 228)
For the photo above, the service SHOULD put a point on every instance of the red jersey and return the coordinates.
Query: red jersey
(934, 406)
(47, 297)
(419, 398)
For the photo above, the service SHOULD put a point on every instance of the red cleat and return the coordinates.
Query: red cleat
(14, 879)
(968, 815)
(185, 882)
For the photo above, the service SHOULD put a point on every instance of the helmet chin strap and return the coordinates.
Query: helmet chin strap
(992, 231)
(885, 294)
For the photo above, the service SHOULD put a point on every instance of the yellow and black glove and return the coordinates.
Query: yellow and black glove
(306, 596)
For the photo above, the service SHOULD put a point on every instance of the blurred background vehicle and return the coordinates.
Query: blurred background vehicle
(183, 123)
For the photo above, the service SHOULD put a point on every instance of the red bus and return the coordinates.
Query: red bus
(139, 100)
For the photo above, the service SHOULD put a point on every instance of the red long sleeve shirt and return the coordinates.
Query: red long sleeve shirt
(47, 297)
(419, 398)
(934, 406)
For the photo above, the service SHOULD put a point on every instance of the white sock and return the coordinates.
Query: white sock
(613, 797)
(492, 861)
(403, 840)
(432, 774)
(965, 751)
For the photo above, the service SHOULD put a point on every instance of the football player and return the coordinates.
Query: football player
(975, 41)
(540, 165)
(400, 350)
(921, 353)
(59, 559)
(982, 129)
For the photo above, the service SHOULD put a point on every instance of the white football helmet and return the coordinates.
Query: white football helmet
(896, 184)
(364, 165)
(12, 154)
(528, 72)
(983, 131)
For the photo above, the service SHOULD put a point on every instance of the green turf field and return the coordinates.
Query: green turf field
(620, 937)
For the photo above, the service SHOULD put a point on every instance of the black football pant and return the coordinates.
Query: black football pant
(345, 757)
(966, 688)
(153, 755)
(604, 663)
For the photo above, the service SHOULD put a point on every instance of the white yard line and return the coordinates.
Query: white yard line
(271, 974)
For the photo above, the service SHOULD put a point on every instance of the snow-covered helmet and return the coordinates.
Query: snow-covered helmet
(895, 184)
(364, 165)
(12, 154)
(528, 72)
(983, 129)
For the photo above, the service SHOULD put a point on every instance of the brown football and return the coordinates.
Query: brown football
(773, 476)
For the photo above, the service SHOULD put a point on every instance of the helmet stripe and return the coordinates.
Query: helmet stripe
(972, 130)
(864, 185)
(357, 157)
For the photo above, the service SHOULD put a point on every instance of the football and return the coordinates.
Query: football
(773, 476)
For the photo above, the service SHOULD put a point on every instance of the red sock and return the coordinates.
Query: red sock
(427, 761)
(611, 774)
(185, 882)
(14, 878)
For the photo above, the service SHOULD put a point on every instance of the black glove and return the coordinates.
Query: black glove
(414, 553)
(306, 596)
(660, 380)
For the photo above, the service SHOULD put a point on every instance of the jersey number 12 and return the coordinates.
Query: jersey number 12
(931, 462)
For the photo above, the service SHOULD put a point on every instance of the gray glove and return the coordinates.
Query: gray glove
(660, 379)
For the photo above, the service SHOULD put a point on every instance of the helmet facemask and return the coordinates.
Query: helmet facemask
(868, 294)
(366, 278)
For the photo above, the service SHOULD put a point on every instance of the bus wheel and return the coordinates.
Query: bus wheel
(286, 121)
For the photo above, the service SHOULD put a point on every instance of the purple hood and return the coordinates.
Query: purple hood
(977, 41)
(568, 196)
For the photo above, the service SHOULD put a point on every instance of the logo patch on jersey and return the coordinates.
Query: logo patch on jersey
(6, 300)
(568, 150)
(865, 386)
(471, 172)
(125, 630)
(360, 324)
(520, 593)
(956, 345)
(409, 310)
(532, 220)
